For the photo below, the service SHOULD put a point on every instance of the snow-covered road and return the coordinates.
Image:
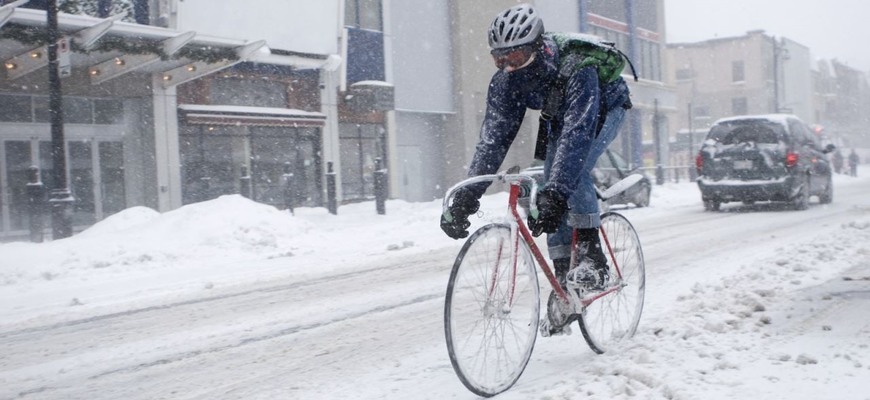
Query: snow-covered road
(749, 301)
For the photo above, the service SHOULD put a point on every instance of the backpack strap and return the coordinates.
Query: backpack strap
(633, 72)
(569, 64)
(553, 102)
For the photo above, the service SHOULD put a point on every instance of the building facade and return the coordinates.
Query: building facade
(174, 105)
(751, 74)
(157, 116)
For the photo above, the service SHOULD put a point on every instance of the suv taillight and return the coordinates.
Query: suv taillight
(791, 159)
(699, 162)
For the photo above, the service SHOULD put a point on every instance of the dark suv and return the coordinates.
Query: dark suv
(763, 158)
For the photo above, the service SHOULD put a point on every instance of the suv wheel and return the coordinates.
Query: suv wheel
(828, 195)
(711, 205)
(802, 200)
(642, 197)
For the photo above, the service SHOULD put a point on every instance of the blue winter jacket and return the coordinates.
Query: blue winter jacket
(511, 93)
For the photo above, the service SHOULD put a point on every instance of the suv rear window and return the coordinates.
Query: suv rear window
(758, 131)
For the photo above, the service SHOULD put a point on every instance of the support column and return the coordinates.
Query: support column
(167, 157)
(329, 86)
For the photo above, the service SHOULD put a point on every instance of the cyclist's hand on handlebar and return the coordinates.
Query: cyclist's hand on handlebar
(464, 204)
(552, 205)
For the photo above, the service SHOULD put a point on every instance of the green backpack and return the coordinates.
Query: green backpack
(576, 51)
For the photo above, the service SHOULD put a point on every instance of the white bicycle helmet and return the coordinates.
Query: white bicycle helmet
(516, 26)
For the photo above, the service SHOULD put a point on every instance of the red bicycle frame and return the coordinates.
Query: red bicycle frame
(523, 231)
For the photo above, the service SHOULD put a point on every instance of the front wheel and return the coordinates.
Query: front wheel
(712, 205)
(615, 316)
(491, 310)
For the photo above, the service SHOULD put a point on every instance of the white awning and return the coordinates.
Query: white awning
(20, 59)
(252, 116)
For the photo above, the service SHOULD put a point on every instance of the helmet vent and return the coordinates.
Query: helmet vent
(516, 26)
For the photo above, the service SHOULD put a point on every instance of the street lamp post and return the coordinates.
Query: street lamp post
(693, 173)
(60, 197)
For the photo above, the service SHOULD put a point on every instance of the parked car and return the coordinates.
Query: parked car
(610, 168)
(772, 157)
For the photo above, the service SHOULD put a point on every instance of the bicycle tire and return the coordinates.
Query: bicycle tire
(491, 329)
(615, 316)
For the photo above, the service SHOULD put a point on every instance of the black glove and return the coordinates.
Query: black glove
(552, 205)
(464, 204)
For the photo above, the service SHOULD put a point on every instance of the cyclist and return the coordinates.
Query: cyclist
(584, 123)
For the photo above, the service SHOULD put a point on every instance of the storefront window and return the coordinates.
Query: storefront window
(365, 14)
(212, 159)
(108, 112)
(276, 150)
(15, 109)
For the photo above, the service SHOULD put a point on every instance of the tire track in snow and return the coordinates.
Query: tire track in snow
(399, 264)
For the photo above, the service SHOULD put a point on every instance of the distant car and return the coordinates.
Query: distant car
(611, 168)
(763, 158)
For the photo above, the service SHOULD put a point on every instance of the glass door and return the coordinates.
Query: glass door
(81, 177)
(14, 199)
(113, 193)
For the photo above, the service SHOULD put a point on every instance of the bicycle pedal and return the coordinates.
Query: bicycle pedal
(547, 330)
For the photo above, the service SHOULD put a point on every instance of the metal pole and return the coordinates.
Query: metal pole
(693, 173)
(635, 114)
(657, 142)
(331, 201)
(380, 180)
(775, 75)
(60, 197)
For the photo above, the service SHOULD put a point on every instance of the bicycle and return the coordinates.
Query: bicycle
(492, 305)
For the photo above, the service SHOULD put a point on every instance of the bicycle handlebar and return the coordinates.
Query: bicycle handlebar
(506, 177)
(501, 177)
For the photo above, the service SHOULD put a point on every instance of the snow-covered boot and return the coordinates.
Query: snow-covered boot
(592, 272)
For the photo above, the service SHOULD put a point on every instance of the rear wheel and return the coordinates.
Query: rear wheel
(711, 205)
(802, 200)
(491, 310)
(828, 195)
(615, 316)
(642, 197)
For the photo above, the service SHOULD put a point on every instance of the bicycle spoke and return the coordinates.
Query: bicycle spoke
(491, 311)
(615, 316)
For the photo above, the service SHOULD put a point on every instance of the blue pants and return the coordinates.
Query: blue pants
(583, 202)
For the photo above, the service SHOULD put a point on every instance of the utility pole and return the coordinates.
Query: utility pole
(776, 51)
(657, 142)
(584, 8)
(60, 197)
(692, 171)
(634, 116)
